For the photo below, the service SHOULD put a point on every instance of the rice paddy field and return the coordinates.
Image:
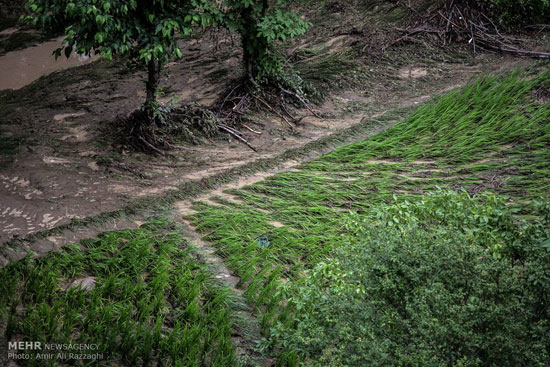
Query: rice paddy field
(490, 136)
(154, 302)
(150, 300)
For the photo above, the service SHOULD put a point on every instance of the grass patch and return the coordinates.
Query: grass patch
(463, 125)
(152, 301)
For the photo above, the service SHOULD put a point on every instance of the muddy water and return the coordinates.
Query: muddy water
(22, 67)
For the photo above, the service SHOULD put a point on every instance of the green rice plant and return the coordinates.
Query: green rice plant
(489, 113)
(152, 301)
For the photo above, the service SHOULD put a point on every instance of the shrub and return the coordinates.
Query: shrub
(514, 13)
(434, 283)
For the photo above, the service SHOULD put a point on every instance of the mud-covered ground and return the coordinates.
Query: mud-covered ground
(58, 160)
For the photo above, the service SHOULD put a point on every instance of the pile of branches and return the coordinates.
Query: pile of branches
(159, 131)
(243, 96)
(459, 21)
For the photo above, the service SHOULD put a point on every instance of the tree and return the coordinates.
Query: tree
(145, 30)
(260, 25)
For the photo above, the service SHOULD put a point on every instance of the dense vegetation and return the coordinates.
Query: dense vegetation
(448, 280)
(453, 143)
(139, 295)
(427, 244)
(513, 13)
(355, 258)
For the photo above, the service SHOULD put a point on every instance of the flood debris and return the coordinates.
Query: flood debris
(463, 21)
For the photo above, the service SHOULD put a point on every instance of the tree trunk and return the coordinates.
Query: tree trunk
(247, 42)
(255, 47)
(247, 57)
(152, 85)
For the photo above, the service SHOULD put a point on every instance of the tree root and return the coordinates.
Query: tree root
(157, 132)
(243, 96)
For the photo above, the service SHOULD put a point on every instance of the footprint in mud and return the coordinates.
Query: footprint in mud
(412, 73)
(77, 133)
(19, 186)
(13, 219)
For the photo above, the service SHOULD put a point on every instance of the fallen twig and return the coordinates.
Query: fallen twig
(463, 21)
(306, 105)
(237, 135)
(273, 110)
(251, 130)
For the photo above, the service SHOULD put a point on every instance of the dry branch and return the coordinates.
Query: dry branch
(236, 134)
(459, 21)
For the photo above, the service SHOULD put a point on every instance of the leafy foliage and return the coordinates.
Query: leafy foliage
(518, 13)
(142, 29)
(261, 26)
(437, 282)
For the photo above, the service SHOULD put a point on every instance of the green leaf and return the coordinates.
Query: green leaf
(99, 19)
(98, 37)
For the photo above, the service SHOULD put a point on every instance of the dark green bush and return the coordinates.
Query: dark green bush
(515, 13)
(435, 283)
